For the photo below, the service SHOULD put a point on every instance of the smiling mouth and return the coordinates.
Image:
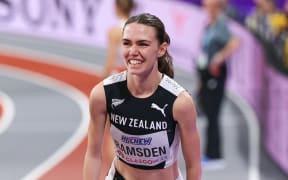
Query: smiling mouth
(134, 62)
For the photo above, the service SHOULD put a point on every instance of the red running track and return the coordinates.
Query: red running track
(71, 166)
(1, 110)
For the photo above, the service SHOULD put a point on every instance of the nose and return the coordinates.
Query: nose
(133, 50)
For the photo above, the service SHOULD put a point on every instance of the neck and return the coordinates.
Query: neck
(144, 86)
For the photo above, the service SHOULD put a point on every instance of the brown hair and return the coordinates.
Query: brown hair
(125, 6)
(165, 64)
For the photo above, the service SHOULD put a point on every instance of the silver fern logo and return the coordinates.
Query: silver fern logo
(162, 110)
(116, 102)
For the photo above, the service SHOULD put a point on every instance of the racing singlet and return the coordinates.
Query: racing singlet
(143, 129)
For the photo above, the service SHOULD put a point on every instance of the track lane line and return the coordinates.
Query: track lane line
(62, 88)
(253, 134)
(7, 112)
(71, 166)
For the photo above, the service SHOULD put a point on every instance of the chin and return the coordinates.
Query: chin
(135, 72)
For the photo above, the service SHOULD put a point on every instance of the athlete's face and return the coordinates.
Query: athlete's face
(141, 49)
(212, 6)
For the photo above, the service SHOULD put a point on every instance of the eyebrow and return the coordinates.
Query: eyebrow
(139, 41)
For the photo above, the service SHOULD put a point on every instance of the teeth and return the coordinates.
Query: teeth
(135, 62)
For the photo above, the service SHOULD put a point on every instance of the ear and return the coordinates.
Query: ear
(162, 49)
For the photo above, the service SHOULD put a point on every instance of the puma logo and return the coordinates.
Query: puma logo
(162, 110)
(116, 102)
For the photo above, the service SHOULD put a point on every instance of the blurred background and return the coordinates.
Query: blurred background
(52, 52)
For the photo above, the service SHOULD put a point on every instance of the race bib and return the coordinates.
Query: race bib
(144, 150)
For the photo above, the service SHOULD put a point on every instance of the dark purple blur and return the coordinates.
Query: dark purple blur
(243, 6)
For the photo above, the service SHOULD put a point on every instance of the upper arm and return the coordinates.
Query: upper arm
(229, 40)
(228, 37)
(97, 109)
(185, 114)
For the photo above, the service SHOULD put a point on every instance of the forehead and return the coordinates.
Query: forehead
(139, 31)
(211, 2)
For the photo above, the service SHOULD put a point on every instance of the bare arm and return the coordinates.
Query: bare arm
(227, 51)
(93, 159)
(185, 114)
(223, 55)
(114, 39)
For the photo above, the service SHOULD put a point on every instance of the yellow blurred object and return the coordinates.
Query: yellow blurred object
(278, 22)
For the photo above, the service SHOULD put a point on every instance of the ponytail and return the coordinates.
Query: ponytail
(165, 63)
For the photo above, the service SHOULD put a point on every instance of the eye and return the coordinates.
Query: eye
(143, 44)
(125, 43)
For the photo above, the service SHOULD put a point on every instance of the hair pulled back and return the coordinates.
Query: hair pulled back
(165, 64)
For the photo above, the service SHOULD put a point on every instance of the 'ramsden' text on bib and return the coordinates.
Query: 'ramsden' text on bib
(145, 150)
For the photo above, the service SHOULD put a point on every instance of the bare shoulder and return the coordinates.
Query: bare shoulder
(184, 102)
(97, 96)
(184, 106)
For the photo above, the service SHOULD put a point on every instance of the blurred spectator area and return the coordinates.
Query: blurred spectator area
(243, 6)
(276, 47)
(265, 78)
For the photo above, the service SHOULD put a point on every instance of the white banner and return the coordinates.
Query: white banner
(87, 21)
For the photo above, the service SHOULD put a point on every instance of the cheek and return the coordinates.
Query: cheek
(125, 52)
